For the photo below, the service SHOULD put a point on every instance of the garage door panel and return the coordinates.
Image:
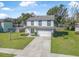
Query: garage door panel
(44, 33)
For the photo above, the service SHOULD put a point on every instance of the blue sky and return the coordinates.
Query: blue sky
(15, 8)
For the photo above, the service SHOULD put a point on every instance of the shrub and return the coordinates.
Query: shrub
(25, 34)
(71, 28)
(34, 34)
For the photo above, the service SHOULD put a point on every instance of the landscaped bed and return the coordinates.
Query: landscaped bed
(15, 40)
(6, 55)
(65, 42)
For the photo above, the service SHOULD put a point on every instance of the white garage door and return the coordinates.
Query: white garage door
(44, 33)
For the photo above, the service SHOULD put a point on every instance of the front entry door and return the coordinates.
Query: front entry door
(32, 30)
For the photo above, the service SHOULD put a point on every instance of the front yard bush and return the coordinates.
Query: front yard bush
(24, 34)
(34, 34)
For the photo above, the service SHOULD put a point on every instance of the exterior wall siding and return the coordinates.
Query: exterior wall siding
(2, 24)
(28, 23)
(36, 23)
(76, 29)
(44, 23)
(52, 23)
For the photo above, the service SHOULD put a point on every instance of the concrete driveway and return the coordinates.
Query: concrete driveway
(39, 47)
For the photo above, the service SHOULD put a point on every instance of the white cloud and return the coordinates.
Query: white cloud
(2, 7)
(1, 4)
(6, 8)
(74, 4)
(3, 15)
(35, 12)
(27, 3)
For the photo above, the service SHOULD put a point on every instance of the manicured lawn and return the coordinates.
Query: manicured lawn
(17, 41)
(65, 42)
(6, 55)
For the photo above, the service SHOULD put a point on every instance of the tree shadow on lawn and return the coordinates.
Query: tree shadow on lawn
(60, 33)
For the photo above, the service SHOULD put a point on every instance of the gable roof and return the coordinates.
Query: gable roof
(51, 17)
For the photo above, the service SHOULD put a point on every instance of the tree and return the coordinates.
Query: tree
(23, 17)
(74, 16)
(60, 13)
(53, 11)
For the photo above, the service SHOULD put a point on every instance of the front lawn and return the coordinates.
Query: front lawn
(65, 42)
(6, 55)
(17, 41)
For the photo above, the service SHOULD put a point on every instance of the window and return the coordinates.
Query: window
(40, 23)
(49, 23)
(32, 22)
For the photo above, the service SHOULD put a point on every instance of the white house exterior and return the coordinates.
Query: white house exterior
(77, 27)
(43, 25)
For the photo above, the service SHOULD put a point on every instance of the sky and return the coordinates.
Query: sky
(15, 8)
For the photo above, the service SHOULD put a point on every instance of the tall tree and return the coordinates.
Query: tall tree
(53, 11)
(23, 17)
(60, 13)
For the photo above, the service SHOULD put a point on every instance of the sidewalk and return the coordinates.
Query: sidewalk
(60, 55)
(9, 51)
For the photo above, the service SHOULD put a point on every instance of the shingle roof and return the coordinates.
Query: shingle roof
(41, 18)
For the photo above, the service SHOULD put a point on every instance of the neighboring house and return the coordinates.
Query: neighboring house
(77, 27)
(6, 26)
(1, 29)
(42, 25)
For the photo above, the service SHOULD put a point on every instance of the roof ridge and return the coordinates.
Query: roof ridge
(48, 17)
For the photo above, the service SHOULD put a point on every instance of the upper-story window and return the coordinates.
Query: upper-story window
(40, 23)
(32, 22)
(48, 22)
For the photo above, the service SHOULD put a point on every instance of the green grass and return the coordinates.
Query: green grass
(16, 42)
(6, 55)
(65, 43)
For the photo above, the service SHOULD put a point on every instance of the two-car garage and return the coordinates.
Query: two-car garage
(44, 32)
(41, 32)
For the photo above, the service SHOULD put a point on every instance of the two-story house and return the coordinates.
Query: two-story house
(43, 25)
